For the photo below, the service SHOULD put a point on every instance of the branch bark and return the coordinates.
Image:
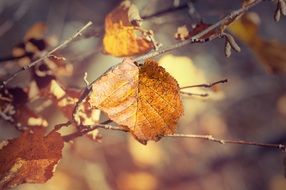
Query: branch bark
(224, 141)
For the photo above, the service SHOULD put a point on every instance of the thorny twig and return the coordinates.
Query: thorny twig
(62, 45)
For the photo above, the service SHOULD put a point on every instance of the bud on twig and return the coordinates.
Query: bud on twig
(280, 9)
(230, 43)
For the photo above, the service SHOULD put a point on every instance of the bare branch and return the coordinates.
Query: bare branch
(61, 125)
(87, 129)
(205, 85)
(196, 38)
(223, 141)
(194, 94)
(62, 45)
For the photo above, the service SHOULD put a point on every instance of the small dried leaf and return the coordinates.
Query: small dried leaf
(182, 33)
(121, 37)
(144, 99)
(31, 158)
(232, 42)
(227, 49)
(277, 14)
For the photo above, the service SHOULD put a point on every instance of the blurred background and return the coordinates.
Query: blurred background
(251, 106)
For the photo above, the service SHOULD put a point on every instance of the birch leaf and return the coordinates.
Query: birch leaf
(144, 99)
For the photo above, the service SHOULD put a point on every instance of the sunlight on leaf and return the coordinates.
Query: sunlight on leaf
(186, 73)
(121, 37)
(144, 99)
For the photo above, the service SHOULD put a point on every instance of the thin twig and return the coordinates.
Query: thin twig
(194, 94)
(62, 45)
(59, 126)
(223, 141)
(87, 129)
(226, 20)
(205, 85)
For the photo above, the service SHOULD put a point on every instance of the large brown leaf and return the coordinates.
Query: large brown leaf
(144, 99)
(31, 158)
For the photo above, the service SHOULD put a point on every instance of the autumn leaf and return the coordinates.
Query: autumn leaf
(30, 158)
(269, 52)
(144, 99)
(122, 37)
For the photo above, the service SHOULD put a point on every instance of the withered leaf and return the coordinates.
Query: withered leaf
(144, 99)
(121, 37)
(30, 158)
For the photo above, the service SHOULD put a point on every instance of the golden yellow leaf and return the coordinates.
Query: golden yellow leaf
(144, 99)
(121, 37)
